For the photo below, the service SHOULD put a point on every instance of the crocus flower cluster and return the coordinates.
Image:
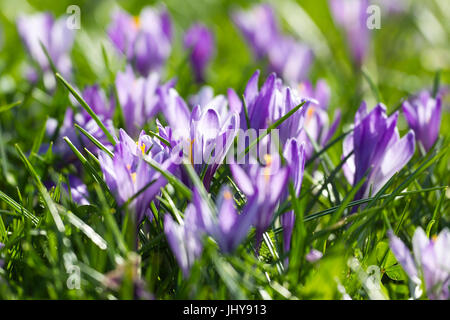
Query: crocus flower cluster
(42, 29)
(430, 262)
(378, 151)
(423, 114)
(200, 41)
(287, 57)
(146, 41)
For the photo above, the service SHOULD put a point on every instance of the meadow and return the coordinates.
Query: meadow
(225, 149)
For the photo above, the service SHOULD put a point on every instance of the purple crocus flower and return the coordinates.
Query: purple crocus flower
(78, 190)
(290, 59)
(430, 262)
(205, 135)
(316, 123)
(200, 40)
(258, 26)
(294, 154)
(1, 260)
(56, 38)
(145, 40)
(378, 149)
(263, 187)
(102, 106)
(423, 114)
(314, 255)
(351, 16)
(138, 98)
(127, 173)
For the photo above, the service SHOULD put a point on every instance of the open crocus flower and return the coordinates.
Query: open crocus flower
(138, 98)
(351, 16)
(145, 40)
(204, 136)
(316, 124)
(200, 40)
(263, 186)
(55, 37)
(78, 190)
(423, 114)
(127, 173)
(431, 262)
(378, 149)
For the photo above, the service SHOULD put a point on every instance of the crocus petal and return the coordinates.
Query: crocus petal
(403, 256)
(242, 180)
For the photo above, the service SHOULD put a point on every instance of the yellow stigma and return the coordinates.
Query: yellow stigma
(268, 160)
(310, 113)
(227, 195)
(301, 86)
(143, 149)
(128, 167)
(136, 22)
(133, 176)
(191, 158)
(434, 238)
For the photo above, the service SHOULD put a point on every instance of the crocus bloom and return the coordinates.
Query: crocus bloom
(78, 190)
(290, 59)
(294, 154)
(351, 16)
(316, 124)
(138, 98)
(258, 26)
(204, 135)
(200, 40)
(314, 255)
(185, 239)
(423, 114)
(56, 38)
(430, 262)
(103, 108)
(263, 187)
(378, 149)
(145, 40)
(127, 173)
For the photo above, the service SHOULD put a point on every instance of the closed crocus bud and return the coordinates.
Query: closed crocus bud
(423, 114)
(377, 149)
(200, 41)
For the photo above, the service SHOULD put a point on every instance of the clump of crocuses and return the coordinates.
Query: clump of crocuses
(146, 41)
(423, 114)
(430, 261)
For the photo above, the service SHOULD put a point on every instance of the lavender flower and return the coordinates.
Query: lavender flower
(56, 38)
(200, 40)
(294, 153)
(314, 255)
(145, 40)
(377, 148)
(102, 106)
(78, 190)
(351, 16)
(423, 114)
(316, 124)
(138, 98)
(127, 173)
(258, 26)
(430, 262)
(204, 135)
(227, 227)
(263, 187)
(287, 57)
